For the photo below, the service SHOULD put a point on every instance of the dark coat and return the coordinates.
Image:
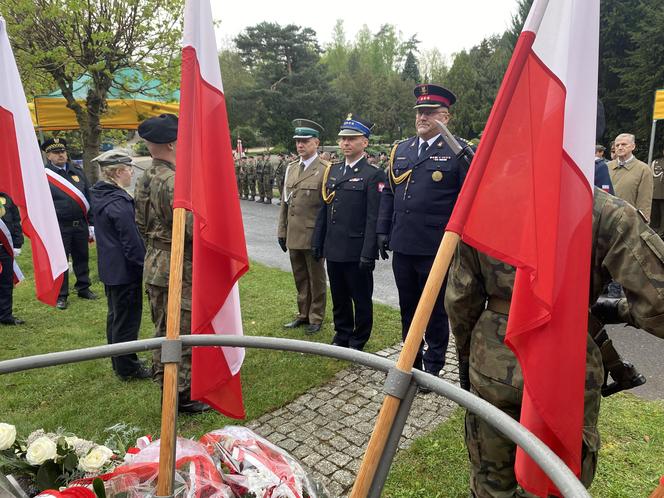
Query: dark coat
(602, 177)
(346, 227)
(66, 209)
(415, 212)
(12, 219)
(120, 248)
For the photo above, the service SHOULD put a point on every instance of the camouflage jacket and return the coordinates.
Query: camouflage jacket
(155, 204)
(624, 248)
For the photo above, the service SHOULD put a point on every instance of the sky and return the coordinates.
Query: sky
(449, 25)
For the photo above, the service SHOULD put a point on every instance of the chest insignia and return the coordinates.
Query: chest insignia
(440, 158)
(75, 178)
(3, 201)
(436, 176)
(355, 179)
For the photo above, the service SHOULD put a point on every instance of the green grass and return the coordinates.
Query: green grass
(631, 459)
(86, 397)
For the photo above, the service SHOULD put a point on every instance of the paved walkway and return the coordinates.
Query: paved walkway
(328, 427)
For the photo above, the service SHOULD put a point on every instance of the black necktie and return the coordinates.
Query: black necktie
(423, 147)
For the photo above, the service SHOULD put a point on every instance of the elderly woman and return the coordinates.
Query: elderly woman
(120, 254)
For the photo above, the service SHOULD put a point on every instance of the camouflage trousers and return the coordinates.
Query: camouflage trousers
(265, 187)
(492, 455)
(657, 217)
(158, 297)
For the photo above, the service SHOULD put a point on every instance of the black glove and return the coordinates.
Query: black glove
(464, 373)
(317, 253)
(367, 264)
(383, 242)
(282, 243)
(606, 310)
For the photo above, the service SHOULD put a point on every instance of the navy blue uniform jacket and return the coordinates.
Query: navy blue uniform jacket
(602, 177)
(346, 227)
(66, 209)
(415, 212)
(120, 248)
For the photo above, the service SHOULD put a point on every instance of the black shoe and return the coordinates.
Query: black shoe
(357, 348)
(87, 294)
(186, 405)
(141, 373)
(341, 345)
(423, 390)
(12, 320)
(62, 303)
(312, 329)
(259, 200)
(298, 322)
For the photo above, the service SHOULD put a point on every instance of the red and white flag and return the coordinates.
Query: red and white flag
(527, 201)
(23, 177)
(238, 150)
(205, 184)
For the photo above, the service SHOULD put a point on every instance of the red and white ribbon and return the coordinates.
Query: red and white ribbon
(8, 244)
(70, 189)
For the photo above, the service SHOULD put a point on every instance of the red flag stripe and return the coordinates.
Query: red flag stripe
(69, 189)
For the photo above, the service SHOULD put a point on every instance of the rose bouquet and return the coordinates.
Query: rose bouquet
(47, 460)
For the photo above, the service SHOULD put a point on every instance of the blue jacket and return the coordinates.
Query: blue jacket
(414, 211)
(602, 177)
(120, 248)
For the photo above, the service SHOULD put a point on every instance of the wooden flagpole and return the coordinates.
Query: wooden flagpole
(405, 363)
(169, 405)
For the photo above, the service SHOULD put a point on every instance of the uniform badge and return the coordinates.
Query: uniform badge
(381, 186)
(75, 178)
(3, 201)
(436, 176)
(355, 179)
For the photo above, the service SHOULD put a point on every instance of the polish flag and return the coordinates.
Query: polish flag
(239, 151)
(527, 201)
(205, 184)
(23, 177)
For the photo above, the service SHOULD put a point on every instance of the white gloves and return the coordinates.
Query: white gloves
(17, 252)
(91, 234)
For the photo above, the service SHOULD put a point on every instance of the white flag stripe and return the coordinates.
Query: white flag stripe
(199, 34)
(229, 322)
(574, 63)
(37, 193)
(69, 186)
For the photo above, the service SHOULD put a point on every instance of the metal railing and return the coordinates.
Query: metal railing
(548, 461)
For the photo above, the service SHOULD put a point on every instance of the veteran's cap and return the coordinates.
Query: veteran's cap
(305, 128)
(353, 126)
(161, 129)
(54, 145)
(433, 96)
(113, 158)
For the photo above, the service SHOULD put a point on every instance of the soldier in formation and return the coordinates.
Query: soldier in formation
(154, 218)
(265, 179)
(279, 175)
(478, 298)
(71, 198)
(345, 234)
(657, 220)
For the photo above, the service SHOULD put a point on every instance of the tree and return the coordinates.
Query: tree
(410, 69)
(68, 38)
(432, 66)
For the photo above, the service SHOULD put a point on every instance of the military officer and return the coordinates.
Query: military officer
(657, 222)
(425, 178)
(297, 219)
(345, 234)
(265, 178)
(154, 217)
(279, 173)
(250, 175)
(11, 241)
(71, 198)
(260, 164)
(478, 298)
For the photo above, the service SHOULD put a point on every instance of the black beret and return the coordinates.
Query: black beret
(54, 145)
(159, 129)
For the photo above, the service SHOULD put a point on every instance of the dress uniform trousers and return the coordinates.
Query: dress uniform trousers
(125, 307)
(6, 284)
(310, 283)
(351, 288)
(410, 274)
(75, 239)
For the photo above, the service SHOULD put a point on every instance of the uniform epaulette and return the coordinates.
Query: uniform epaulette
(325, 163)
(297, 161)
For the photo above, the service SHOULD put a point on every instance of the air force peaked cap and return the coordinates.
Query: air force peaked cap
(161, 129)
(433, 96)
(305, 128)
(353, 126)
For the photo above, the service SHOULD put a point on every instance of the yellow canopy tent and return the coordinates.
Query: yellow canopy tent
(125, 108)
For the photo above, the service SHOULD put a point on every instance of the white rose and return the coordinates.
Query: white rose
(40, 450)
(96, 459)
(7, 436)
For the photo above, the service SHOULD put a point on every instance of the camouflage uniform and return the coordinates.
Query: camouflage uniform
(154, 216)
(657, 220)
(279, 175)
(250, 179)
(266, 181)
(625, 249)
(238, 175)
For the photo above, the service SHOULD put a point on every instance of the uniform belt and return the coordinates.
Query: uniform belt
(71, 223)
(498, 305)
(165, 246)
